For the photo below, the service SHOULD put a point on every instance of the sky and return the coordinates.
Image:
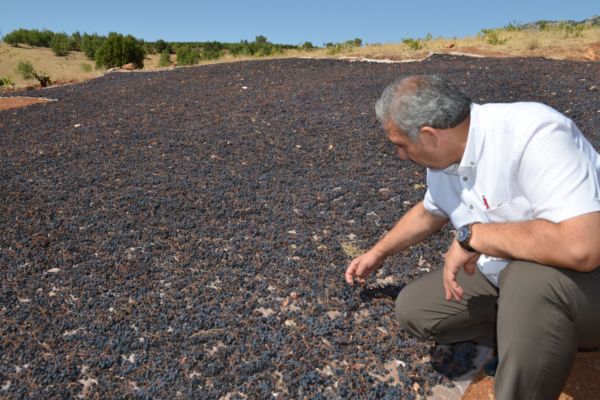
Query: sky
(283, 21)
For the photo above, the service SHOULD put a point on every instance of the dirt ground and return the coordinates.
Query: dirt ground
(583, 383)
(9, 103)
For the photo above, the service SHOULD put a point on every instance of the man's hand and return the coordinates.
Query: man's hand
(363, 265)
(456, 258)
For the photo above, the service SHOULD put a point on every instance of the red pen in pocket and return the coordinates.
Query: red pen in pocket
(487, 206)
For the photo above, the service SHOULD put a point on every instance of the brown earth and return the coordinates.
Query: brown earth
(8, 103)
(583, 383)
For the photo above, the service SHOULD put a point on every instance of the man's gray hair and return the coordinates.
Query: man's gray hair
(422, 100)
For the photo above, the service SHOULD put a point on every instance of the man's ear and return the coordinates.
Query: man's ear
(430, 136)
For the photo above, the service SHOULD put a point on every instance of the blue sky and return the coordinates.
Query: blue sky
(283, 21)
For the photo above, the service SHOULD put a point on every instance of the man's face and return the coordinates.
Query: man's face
(421, 152)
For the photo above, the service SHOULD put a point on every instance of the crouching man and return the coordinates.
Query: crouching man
(520, 184)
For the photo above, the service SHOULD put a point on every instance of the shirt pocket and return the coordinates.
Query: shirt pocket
(512, 210)
(503, 212)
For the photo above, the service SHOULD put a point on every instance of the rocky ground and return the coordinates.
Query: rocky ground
(184, 233)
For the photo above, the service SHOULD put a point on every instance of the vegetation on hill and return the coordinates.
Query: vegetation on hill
(67, 56)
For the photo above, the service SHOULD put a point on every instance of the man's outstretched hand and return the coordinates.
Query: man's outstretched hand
(456, 258)
(363, 265)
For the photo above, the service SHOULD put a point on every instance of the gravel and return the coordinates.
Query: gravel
(184, 233)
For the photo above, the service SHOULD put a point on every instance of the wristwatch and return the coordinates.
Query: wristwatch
(463, 237)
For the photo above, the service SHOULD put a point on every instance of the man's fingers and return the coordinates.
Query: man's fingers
(447, 291)
(451, 287)
(351, 271)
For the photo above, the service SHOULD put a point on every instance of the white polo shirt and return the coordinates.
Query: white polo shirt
(522, 161)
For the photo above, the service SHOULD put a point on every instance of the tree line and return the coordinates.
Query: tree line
(116, 49)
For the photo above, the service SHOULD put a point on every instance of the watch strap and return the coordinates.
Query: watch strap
(466, 243)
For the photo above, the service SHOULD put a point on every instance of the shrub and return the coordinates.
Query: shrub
(149, 48)
(574, 30)
(491, 37)
(160, 46)
(6, 83)
(543, 25)
(212, 50)
(513, 27)
(32, 37)
(15, 37)
(75, 41)
(413, 44)
(308, 46)
(60, 44)
(25, 69)
(186, 55)
(334, 48)
(118, 50)
(241, 48)
(260, 47)
(165, 59)
(90, 44)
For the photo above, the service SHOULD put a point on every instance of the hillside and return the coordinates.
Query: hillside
(560, 40)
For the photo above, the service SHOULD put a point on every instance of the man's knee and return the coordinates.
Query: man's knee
(409, 314)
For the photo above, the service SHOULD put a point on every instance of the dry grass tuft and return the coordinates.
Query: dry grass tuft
(351, 249)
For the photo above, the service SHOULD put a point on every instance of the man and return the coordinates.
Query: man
(520, 184)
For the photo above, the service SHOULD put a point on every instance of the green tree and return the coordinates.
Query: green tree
(60, 44)
(15, 37)
(160, 45)
(90, 44)
(261, 39)
(307, 46)
(75, 41)
(32, 37)
(118, 50)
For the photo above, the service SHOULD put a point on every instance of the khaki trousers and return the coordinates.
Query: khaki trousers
(538, 318)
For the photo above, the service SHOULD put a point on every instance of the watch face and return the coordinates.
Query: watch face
(462, 233)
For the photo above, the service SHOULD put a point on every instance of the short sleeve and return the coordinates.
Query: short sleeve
(558, 173)
(430, 205)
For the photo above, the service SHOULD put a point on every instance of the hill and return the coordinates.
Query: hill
(572, 40)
